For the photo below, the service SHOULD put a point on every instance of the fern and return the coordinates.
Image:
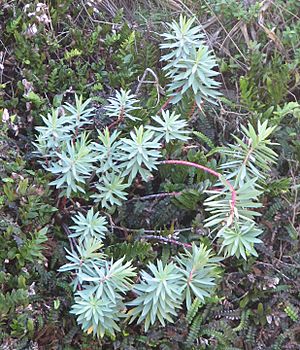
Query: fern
(279, 341)
(65, 286)
(204, 139)
(292, 231)
(291, 312)
(188, 199)
(194, 330)
(137, 251)
(165, 254)
(147, 58)
(22, 344)
(52, 80)
(68, 338)
(244, 321)
(192, 311)
(53, 316)
(250, 336)
(274, 208)
(219, 336)
(205, 122)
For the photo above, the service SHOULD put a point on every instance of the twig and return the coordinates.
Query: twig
(165, 104)
(156, 82)
(193, 109)
(167, 240)
(68, 233)
(118, 120)
(214, 173)
(179, 230)
(168, 101)
(157, 195)
(274, 268)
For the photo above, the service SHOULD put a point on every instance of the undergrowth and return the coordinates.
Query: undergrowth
(83, 86)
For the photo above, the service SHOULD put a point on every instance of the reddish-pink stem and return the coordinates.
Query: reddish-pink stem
(212, 172)
(163, 107)
(165, 104)
(118, 120)
(193, 109)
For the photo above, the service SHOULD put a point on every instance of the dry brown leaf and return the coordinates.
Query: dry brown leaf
(270, 32)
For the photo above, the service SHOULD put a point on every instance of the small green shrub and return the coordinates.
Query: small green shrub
(117, 159)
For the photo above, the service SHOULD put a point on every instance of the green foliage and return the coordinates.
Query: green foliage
(117, 157)
(244, 321)
(79, 53)
(252, 157)
(194, 330)
(98, 304)
(239, 241)
(108, 280)
(26, 229)
(89, 226)
(107, 150)
(190, 63)
(137, 251)
(158, 295)
(248, 162)
(79, 115)
(193, 310)
(110, 191)
(57, 129)
(122, 106)
(13, 299)
(273, 80)
(204, 139)
(171, 127)
(199, 270)
(105, 284)
(230, 9)
(83, 256)
(140, 150)
(74, 166)
(96, 315)
(31, 249)
(183, 37)
(291, 312)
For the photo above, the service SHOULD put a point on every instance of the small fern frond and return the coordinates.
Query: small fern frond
(194, 330)
(244, 321)
(193, 309)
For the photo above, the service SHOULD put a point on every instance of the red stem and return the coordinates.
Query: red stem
(118, 120)
(167, 102)
(193, 109)
(212, 172)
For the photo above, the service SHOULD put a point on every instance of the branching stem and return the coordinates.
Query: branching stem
(167, 240)
(155, 196)
(214, 173)
(118, 120)
(192, 109)
(164, 106)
